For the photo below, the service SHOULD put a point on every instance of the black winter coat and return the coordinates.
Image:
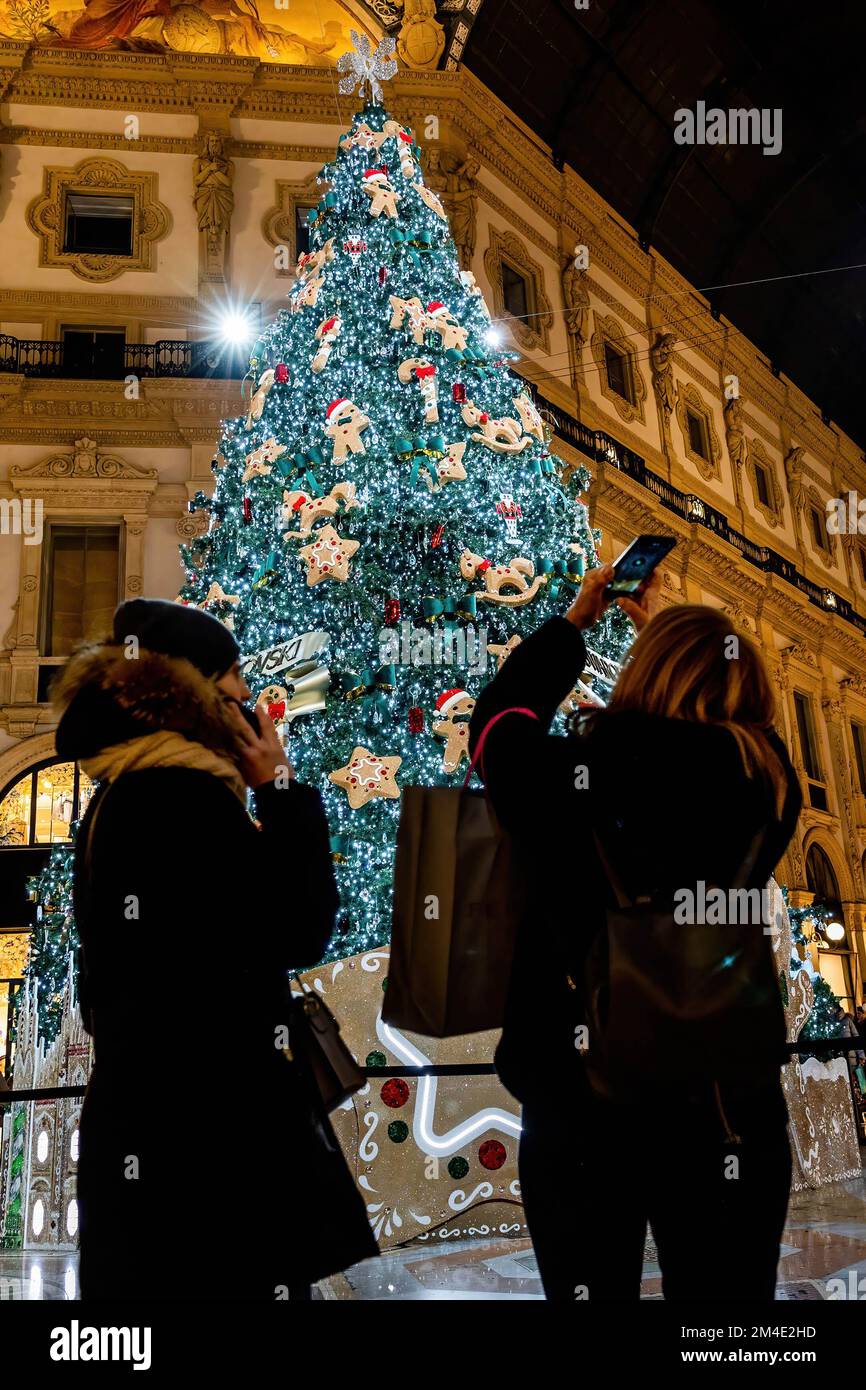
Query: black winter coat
(668, 798)
(206, 1168)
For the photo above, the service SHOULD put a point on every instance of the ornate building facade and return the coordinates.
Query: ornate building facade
(147, 192)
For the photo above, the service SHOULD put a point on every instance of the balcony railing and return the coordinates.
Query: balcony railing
(36, 357)
(601, 448)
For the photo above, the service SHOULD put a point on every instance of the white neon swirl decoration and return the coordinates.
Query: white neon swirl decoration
(440, 1145)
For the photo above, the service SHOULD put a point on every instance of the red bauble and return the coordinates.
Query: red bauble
(492, 1154)
(436, 538)
(395, 1093)
(248, 511)
(281, 373)
(392, 611)
(458, 393)
(416, 719)
(383, 274)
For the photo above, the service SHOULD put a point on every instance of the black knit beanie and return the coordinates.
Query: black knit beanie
(177, 630)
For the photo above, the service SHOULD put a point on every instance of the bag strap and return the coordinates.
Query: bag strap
(740, 879)
(479, 747)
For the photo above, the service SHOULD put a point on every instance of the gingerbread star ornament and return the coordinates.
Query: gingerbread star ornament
(328, 556)
(366, 776)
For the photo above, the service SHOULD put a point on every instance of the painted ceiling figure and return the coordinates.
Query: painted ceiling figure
(197, 26)
(107, 23)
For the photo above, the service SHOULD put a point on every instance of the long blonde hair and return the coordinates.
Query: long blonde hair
(688, 664)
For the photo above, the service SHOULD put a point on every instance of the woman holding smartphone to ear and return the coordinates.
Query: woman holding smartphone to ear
(190, 915)
(676, 778)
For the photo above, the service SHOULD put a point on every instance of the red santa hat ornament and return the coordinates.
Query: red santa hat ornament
(449, 700)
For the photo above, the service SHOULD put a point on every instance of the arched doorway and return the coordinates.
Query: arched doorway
(38, 809)
(834, 947)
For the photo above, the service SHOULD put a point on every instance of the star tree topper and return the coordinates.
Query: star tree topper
(366, 66)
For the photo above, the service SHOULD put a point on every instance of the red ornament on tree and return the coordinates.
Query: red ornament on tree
(281, 373)
(436, 538)
(492, 1154)
(395, 1092)
(248, 511)
(458, 393)
(416, 720)
(383, 274)
(392, 611)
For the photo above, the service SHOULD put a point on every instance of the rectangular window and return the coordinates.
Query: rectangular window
(98, 223)
(858, 734)
(82, 585)
(618, 374)
(698, 442)
(302, 228)
(806, 733)
(515, 292)
(93, 352)
(819, 535)
(762, 486)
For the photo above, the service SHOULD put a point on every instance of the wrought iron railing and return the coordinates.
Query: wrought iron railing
(37, 357)
(602, 448)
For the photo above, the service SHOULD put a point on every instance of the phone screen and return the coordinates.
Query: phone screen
(637, 562)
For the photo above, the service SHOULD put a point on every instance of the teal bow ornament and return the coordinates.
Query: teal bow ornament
(413, 245)
(302, 465)
(562, 572)
(542, 466)
(372, 686)
(450, 610)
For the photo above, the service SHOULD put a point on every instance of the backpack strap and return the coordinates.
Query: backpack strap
(479, 747)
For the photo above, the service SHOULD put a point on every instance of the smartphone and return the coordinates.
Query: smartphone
(249, 715)
(637, 562)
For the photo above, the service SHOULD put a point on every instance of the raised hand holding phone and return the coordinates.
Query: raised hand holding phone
(261, 755)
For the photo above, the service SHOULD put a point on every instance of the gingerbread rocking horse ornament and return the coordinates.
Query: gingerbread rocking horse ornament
(519, 575)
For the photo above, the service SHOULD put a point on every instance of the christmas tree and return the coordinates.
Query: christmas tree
(54, 937)
(388, 520)
(822, 1021)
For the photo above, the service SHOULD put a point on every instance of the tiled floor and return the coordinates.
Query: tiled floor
(824, 1240)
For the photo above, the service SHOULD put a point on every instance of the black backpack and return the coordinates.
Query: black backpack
(672, 1003)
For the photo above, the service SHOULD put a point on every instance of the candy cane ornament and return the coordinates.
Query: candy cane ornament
(327, 333)
(425, 374)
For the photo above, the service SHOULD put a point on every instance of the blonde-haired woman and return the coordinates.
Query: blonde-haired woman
(676, 780)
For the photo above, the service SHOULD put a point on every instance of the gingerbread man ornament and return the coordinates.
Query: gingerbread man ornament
(345, 423)
(455, 732)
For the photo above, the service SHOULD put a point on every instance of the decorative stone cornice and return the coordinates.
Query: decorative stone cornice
(798, 651)
(85, 461)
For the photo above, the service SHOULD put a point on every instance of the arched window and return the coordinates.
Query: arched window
(821, 880)
(40, 808)
(820, 876)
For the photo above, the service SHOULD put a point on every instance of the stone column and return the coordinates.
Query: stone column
(133, 550)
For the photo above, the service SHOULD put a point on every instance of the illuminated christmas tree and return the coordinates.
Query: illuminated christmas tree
(390, 500)
(822, 1021)
(55, 937)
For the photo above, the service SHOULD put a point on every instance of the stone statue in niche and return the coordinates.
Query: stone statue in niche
(455, 178)
(214, 199)
(795, 470)
(576, 297)
(735, 434)
(661, 353)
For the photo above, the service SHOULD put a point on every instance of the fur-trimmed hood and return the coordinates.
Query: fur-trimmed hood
(103, 698)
